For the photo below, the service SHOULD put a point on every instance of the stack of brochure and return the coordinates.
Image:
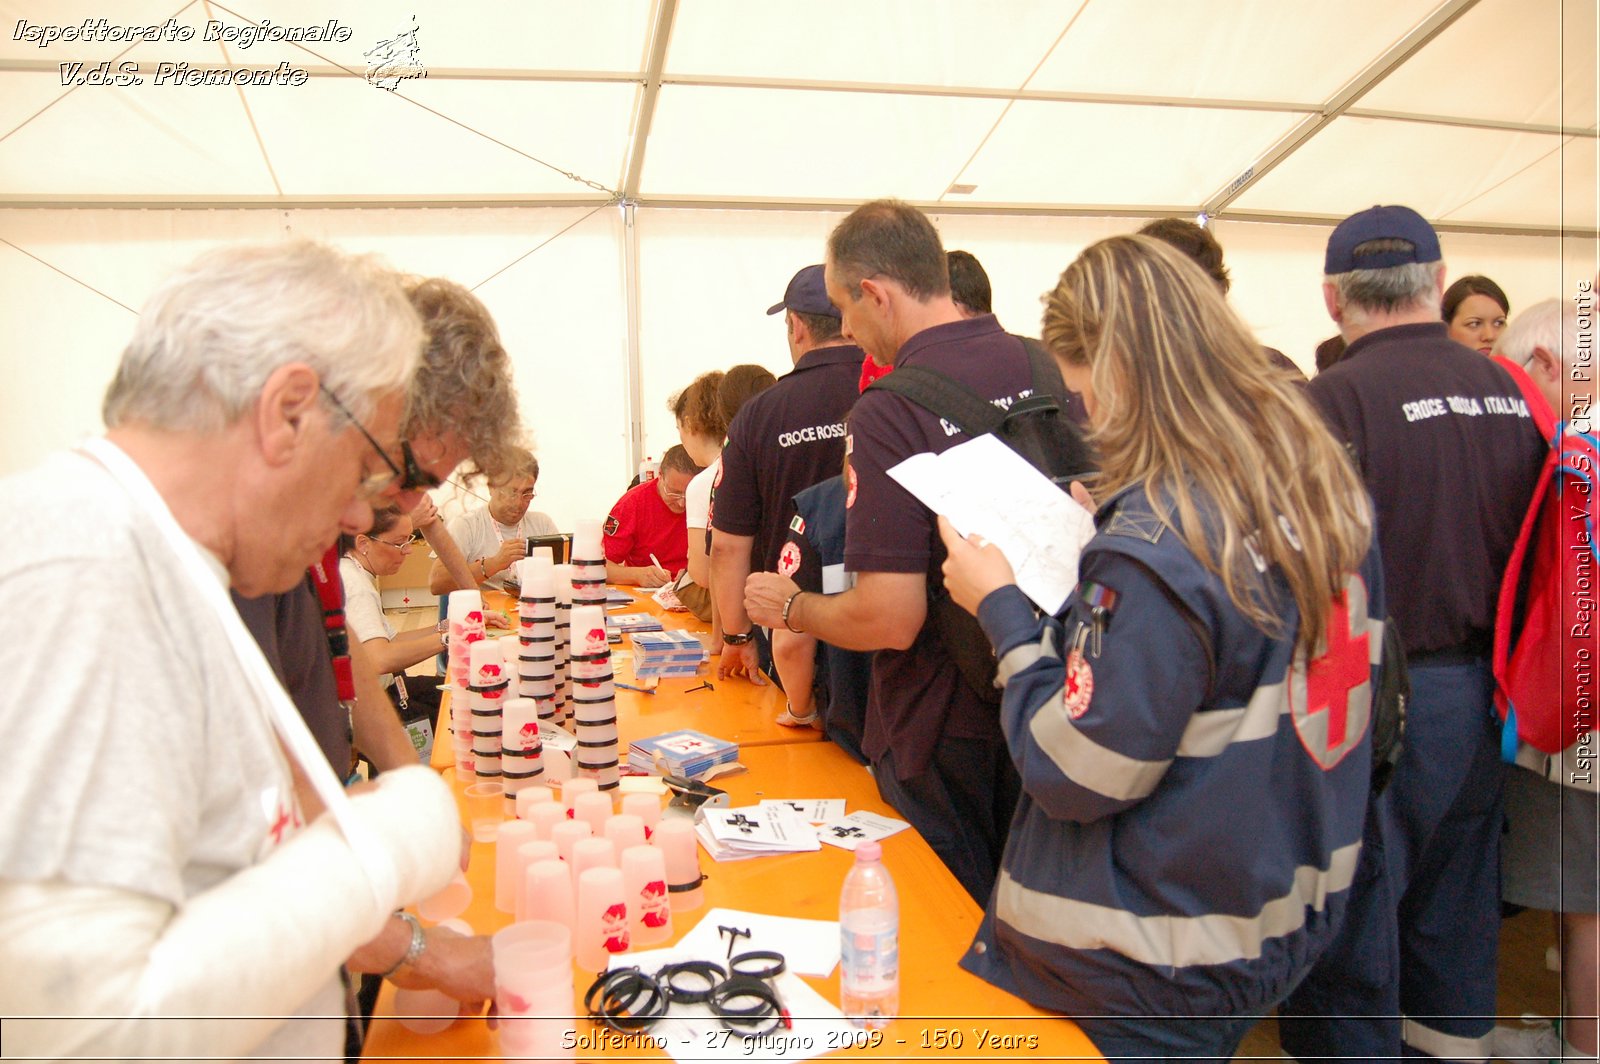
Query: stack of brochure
(666, 654)
(634, 622)
(753, 831)
(682, 753)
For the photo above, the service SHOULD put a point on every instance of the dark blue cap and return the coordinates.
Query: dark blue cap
(1381, 223)
(807, 294)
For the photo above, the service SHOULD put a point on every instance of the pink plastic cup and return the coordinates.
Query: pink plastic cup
(675, 839)
(547, 893)
(601, 928)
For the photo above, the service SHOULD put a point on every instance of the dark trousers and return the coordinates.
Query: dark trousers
(1414, 961)
(962, 805)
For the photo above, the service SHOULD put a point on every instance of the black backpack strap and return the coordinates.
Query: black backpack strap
(945, 397)
(1046, 374)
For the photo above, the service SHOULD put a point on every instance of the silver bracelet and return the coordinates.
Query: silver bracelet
(788, 603)
(419, 942)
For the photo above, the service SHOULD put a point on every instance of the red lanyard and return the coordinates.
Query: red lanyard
(330, 589)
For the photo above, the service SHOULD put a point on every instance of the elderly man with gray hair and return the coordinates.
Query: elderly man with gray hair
(167, 886)
(1552, 832)
(1449, 456)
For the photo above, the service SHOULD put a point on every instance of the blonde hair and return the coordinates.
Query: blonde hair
(1188, 406)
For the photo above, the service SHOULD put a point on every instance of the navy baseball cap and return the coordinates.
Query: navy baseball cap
(1381, 223)
(807, 294)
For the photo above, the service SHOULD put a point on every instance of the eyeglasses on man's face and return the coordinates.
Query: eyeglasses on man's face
(411, 478)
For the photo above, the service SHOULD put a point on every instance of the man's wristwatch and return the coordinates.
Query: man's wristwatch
(738, 640)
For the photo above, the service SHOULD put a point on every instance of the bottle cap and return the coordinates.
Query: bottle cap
(871, 850)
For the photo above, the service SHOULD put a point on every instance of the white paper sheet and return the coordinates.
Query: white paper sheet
(811, 947)
(814, 810)
(851, 831)
(985, 487)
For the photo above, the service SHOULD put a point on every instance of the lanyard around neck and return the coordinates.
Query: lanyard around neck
(281, 713)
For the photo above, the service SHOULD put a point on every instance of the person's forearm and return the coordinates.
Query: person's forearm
(795, 656)
(403, 651)
(730, 567)
(449, 558)
(854, 620)
(131, 976)
(375, 727)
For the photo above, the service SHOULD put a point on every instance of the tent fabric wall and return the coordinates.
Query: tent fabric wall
(74, 279)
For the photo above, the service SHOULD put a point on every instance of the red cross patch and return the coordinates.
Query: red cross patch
(850, 487)
(789, 560)
(612, 525)
(1330, 698)
(1077, 688)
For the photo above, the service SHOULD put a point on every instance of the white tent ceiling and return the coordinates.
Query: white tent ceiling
(1276, 110)
(584, 166)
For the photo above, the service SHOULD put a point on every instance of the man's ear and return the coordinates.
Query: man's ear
(1543, 365)
(873, 289)
(283, 409)
(1330, 299)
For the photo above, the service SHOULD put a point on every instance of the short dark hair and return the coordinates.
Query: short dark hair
(1194, 241)
(822, 326)
(739, 385)
(889, 238)
(1473, 284)
(677, 460)
(969, 284)
(383, 519)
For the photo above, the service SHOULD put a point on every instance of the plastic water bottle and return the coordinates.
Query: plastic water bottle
(648, 468)
(869, 941)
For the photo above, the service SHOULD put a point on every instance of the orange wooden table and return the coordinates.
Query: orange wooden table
(945, 1012)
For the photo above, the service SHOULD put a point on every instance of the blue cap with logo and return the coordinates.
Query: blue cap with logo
(807, 294)
(1381, 223)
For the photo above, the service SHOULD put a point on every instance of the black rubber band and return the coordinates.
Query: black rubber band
(619, 994)
(684, 888)
(710, 971)
(758, 964)
(757, 1019)
(593, 723)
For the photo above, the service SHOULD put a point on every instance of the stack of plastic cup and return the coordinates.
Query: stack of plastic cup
(465, 613)
(588, 565)
(533, 990)
(536, 660)
(594, 699)
(601, 928)
(563, 579)
(487, 684)
(521, 749)
(680, 853)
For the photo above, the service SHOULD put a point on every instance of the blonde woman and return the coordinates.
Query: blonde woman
(1192, 731)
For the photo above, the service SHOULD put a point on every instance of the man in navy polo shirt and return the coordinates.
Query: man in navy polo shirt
(1449, 454)
(935, 742)
(786, 439)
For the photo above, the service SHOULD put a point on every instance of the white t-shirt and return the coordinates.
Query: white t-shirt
(364, 618)
(479, 535)
(697, 496)
(363, 606)
(137, 756)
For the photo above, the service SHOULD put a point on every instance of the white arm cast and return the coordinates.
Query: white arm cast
(259, 944)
